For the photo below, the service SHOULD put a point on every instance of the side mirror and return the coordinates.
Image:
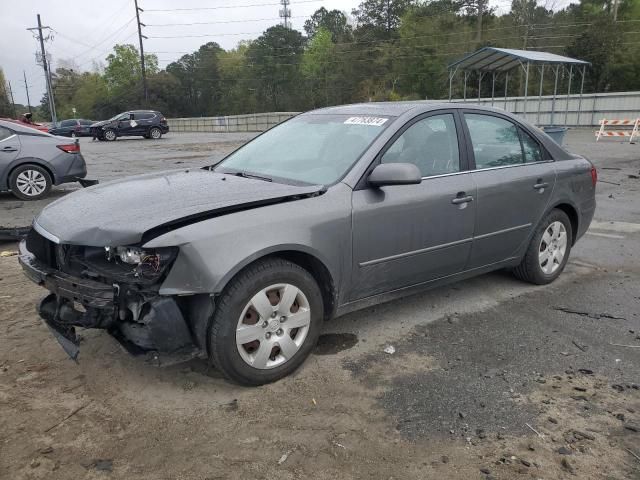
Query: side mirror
(395, 174)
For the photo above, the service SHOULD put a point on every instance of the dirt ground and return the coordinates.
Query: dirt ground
(490, 378)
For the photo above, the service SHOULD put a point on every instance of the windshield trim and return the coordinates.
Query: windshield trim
(218, 167)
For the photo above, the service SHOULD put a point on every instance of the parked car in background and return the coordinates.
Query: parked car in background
(31, 162)
(42, 127)
(331, 211)
(144, 123)
(74, 127)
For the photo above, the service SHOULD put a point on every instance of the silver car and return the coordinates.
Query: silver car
(31, 161)
(334, 210)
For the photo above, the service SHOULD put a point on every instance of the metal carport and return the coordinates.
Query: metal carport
(494, 61)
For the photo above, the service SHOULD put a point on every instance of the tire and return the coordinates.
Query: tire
(155, 133)
(267, 283)
(30, 182)
(110, 135)
(73, 135)
(556, 229)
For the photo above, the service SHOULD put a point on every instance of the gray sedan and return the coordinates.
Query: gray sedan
(31, 161)
(334, 210)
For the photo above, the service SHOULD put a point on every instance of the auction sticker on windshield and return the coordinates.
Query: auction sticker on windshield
(373, 121)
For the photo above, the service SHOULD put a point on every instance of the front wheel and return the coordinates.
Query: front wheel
(548, 251)
(109, 135)
(266, 323)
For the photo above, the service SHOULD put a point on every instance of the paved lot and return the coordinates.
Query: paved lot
(130, 156)
(491, 378)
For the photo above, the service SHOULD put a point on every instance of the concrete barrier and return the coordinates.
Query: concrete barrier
(576, 111)
(255, 122)
(583, 111)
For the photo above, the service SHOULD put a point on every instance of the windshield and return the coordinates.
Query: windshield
(313, 148)
(120, 115)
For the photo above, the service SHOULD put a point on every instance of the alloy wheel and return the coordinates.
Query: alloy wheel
(273, 326)
(155, 133)
(31, 183)
(553, 247)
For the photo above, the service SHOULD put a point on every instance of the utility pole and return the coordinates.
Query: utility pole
(13, 104)
(26, 86)
(480, 14)
(47, 70)
(285, 13)
(140, 37)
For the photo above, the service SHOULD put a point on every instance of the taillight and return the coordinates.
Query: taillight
(163, 121)
(594, 176)
(70, 147)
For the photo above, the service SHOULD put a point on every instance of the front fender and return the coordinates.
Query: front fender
(216, 249)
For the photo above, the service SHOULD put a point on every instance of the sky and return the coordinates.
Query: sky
(85, 31)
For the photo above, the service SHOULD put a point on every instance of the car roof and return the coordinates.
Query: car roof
(395, 109)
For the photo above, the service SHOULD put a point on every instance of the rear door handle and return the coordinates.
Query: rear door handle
(540, 185)
(9, 149)
(462, 199)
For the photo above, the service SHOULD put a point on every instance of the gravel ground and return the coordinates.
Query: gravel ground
(490, 378)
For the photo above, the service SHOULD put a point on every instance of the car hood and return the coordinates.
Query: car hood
(120, 212)
(100, 124)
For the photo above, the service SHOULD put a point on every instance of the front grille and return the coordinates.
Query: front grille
(43, 249)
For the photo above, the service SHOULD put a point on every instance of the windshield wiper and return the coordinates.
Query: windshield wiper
(251, 175)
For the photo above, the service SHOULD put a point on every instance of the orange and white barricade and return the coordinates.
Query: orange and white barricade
(634, 130)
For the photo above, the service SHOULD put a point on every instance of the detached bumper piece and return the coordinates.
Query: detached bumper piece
(157, 330)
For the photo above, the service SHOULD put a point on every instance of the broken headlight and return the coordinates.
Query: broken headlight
(140, 263)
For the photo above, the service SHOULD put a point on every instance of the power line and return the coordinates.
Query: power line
(222, 7)
(217, 22)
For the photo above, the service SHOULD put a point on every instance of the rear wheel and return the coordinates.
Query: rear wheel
(30, 182)
(155, 133)
(266, 322)
(548, 251)
(109, 135)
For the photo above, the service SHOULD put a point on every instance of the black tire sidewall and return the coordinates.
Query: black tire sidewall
(14, 177)
(222, 332)
(532, 257)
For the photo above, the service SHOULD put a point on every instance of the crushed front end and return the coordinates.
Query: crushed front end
(110, 288)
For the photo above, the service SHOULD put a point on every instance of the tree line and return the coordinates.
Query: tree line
(385, 50)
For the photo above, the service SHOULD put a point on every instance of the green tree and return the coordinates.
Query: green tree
(333, 21)
(6, 109)
(317, 66)
(382, 15)
(273, 64)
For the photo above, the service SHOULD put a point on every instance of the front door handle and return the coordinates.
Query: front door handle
(9, 149)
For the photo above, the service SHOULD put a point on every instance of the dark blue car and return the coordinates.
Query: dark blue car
(74, 127)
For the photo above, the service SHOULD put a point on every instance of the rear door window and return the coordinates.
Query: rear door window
(68, 123)
(144, 116)
(495, 141)
(531, 148)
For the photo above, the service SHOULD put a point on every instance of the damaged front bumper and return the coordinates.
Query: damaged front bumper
(149, 324)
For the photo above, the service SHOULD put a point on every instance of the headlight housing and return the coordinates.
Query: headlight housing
(129, 264)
